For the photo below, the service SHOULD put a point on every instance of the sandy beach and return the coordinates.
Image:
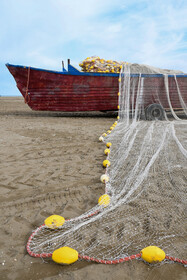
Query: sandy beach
(51, 163)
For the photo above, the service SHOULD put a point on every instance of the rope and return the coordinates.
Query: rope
(87, 258)
(48, 255)
(176, 260)
(27, 97)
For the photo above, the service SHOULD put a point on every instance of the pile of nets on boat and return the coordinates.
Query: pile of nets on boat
(97, 64)
(146, 186)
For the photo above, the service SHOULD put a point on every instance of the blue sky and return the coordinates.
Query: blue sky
(42, 33)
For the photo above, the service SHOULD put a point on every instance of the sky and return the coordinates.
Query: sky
(42, 33)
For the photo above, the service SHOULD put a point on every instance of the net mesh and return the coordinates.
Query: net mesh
(147, 182)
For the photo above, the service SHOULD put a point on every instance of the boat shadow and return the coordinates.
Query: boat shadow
(36, 114)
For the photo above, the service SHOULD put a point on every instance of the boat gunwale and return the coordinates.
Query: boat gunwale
(93, 74)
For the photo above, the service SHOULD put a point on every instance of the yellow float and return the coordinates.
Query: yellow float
(65, 255)
(106, 163)
(107, 152)
(104, 178)
(153, 254)
(54, 221)
(104, 200)
(108, 144)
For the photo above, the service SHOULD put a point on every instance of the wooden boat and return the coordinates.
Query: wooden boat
(73, 90)
(70, 90)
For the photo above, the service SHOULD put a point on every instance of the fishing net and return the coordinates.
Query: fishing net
(97, 64)
(147, 178)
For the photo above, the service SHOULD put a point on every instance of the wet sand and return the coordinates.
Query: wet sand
(52, 163)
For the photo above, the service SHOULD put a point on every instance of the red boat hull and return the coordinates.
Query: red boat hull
(53, 91)
(153, 90)
(78, 91)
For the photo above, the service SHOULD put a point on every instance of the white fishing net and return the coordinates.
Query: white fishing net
(147, 175)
